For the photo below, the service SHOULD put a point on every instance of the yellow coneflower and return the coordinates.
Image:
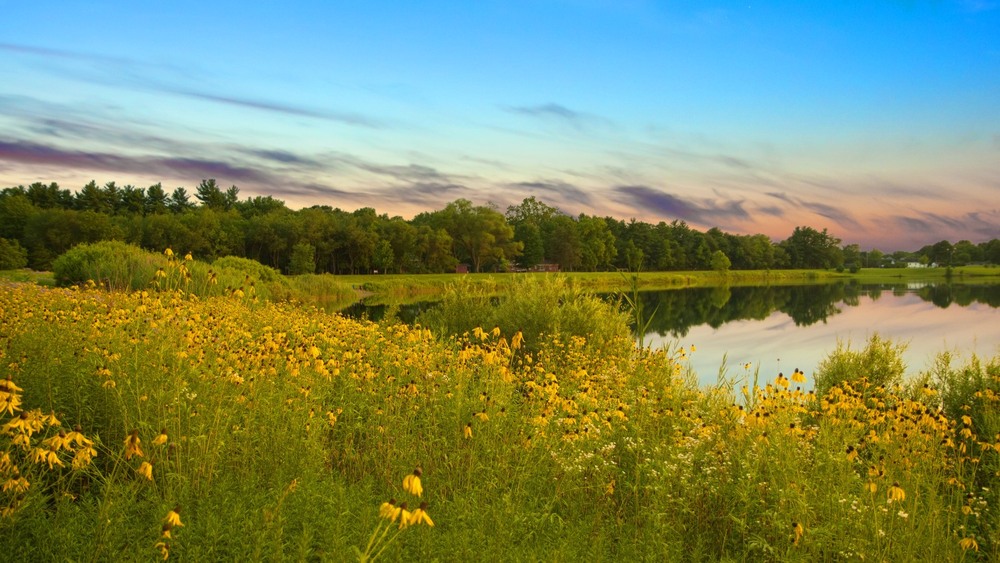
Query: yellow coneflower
(516, 340)
(132, 442)
(968, 543)
(468, 430)
(168, 252)
(797, 532)
(389, 510)
(161, 438)
(404, 516)
(146, 470)
(896, 493)
(871, 487)
(411, 483)
(165, 532)
(420, 516)
(83, 456)
(173, 518)
(852, 453)
(164, 549)
(798, 376)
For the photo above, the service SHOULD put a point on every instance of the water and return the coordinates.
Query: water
(781, 328)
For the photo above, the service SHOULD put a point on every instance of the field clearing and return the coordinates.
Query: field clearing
(144, 425)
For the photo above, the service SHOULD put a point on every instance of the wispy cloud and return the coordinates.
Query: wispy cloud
(834, 213)
(345, 118)
(561, 191)
(37, 154)
(670, 206)
(123, 72)
(559, 114)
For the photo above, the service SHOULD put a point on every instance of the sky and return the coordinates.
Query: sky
(877, 120)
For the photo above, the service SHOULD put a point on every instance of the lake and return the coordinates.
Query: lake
(780, 328)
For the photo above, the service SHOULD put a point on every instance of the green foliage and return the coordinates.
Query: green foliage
(537, 306)
(12, 255)
(303, 259)
(111, 264)
(880, 362)
(251, 268)
(966, 388)
(720, 262)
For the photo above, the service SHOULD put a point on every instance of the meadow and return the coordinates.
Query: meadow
(182, 421)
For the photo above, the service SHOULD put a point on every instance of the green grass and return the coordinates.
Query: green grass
(287, 428)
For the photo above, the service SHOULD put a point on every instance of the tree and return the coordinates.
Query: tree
(303, 259)
(210, 195)
(598, 248)
(809, 248)
(383, 259)
(720, 262)
(875, 257)
(12, 255)
(157, 201)
(533, 251)
(93, 198)
(180, 201)
(481, 235)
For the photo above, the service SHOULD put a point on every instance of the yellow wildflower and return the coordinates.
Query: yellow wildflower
(404, 516)
(168, 252)
(798, 376)
(83, 457)
(420, 516)
(968, 543)
(173, 518)
(389, 510)
(146, 470)
(797, 532)
(468, 430)
(411, 483)
(896, 493)
(161, 438)
(164, 549)
(132, 442)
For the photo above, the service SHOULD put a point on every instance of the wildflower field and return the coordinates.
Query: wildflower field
(152, 425)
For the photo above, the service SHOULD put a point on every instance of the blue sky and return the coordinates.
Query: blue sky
(877, 120)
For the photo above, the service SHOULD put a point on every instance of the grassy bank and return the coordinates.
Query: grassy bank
(146, 425)
(403, 286)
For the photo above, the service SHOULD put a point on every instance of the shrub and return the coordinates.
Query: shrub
(250, 267)
(880, 362)
(536, 306)
(13, 256)
(112, 264)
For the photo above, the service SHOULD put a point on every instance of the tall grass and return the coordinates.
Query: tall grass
(277, 433)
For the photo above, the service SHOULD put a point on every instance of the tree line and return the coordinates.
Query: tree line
(41, 221)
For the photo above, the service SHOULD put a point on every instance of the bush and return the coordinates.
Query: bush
(250, 267)
(536, 306)
(880, 362)
(111, 264)
(13, 256)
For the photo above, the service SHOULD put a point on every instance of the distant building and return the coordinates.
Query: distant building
(919, 265)
(462, 269)
(545, 267)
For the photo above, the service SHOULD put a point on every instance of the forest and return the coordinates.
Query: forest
(41, 221)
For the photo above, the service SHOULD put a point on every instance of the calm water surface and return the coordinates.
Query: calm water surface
(798, 326)
(788, 327)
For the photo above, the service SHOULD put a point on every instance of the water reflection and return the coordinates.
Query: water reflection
(677, 311)
(781, 328)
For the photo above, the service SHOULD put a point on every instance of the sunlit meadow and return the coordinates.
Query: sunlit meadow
(160, 424)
